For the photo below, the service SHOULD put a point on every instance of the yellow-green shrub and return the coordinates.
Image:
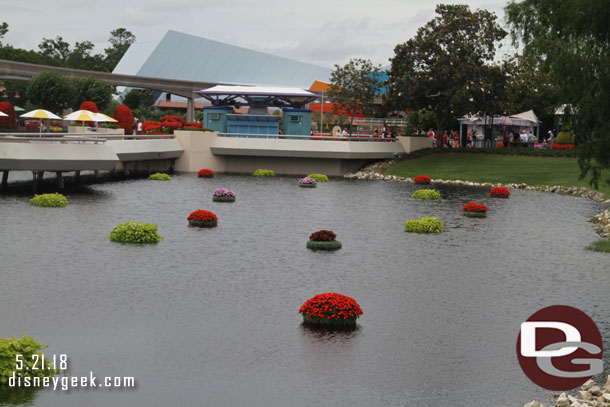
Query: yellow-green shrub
(159, 176)
(427, 224)
(318, 177)
(49, 200)
(264, 173)
(426, 194)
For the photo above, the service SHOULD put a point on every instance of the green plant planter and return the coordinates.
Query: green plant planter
(49, 200)
(308, 185)
(471, 214)
(135, 232)
(426, 194)
(264, 173)
(223, 198)
(159, 176)
(327, 246)
(205, 176)
(427, 224)
(500, 196)
(318, 177)
(422, 183)
(329, 323)
(200, 224)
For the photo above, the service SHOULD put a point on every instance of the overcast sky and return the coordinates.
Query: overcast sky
(322, 32)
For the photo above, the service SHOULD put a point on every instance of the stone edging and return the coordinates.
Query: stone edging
(589, 395)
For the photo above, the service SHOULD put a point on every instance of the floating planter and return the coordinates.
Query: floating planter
(203, 219)
(223, 195)
(264, 173)
(499, 192)
(427, 224)
(474, 210)
(426, 194)
(159, 176)
(318, 177)
(422, 180)
(331, 310)
(32, 362)
(205, 173)
(323, 240)
(307, 182)
(135, 232)
(49, 200)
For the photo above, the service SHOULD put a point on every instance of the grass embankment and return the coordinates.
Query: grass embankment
(602, 245)
(495, 168)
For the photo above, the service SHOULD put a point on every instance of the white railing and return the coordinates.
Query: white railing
(380, 121)
(315, 137)
(76, 137)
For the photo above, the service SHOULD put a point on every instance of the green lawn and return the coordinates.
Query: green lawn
(496, 169)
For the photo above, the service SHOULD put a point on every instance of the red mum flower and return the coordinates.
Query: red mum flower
(474, 207)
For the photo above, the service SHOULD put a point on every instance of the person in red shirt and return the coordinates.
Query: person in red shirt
(445, 139)
(456, 139)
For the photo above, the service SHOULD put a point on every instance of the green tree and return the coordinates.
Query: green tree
(81, 58)
(3, 30)
(354, 85)
(15, 92)
(92, 89)
(54, 52)
(571, 40)
(529, 86)
(446, 68)
(51, 91)
(132, 99)
(120, 40)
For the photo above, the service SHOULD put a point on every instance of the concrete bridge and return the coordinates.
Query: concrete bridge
(21, 71)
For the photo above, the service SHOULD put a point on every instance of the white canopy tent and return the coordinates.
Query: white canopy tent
(524, 119)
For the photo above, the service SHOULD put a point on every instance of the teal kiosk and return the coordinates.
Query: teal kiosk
(257, 122)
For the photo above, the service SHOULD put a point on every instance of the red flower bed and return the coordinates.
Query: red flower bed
(202, 216)
(422, 179)
(193, 125)
(563, 146)
(331, 306)
(323, 236)
(125, 118)
(10, 121)
(205, 173)
(474, 207)
(499, 192)
(170, 118)
(90, 106)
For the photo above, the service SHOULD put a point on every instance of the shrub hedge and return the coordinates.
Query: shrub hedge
(264, 173)
(318, 177)
(159, 176)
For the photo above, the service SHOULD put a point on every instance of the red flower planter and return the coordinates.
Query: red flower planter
(202, 219)
(205, 173)
(422, 180)
(499, 192)
(331, 310)
(474, 210)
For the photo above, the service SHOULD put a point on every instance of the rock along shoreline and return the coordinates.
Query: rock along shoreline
(590, 394)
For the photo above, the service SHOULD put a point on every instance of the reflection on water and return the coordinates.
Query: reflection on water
(15, 396)
(210, 317)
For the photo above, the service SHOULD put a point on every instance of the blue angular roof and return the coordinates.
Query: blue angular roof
(188, 57)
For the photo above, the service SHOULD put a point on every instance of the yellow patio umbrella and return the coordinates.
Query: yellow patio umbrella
(101, 117)
(82, 116)
(40, 114)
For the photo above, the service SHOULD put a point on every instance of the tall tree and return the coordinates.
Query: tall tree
(571, 40)
(354, 85)
(51, 91)
(3, 30)
(446, 68)
(92, 89)
(120, 39)
(55, 52)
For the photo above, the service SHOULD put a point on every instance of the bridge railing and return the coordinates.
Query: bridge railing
(315, 137)
(76, 137)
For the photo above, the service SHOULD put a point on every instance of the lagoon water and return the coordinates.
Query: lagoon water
(209, 317)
